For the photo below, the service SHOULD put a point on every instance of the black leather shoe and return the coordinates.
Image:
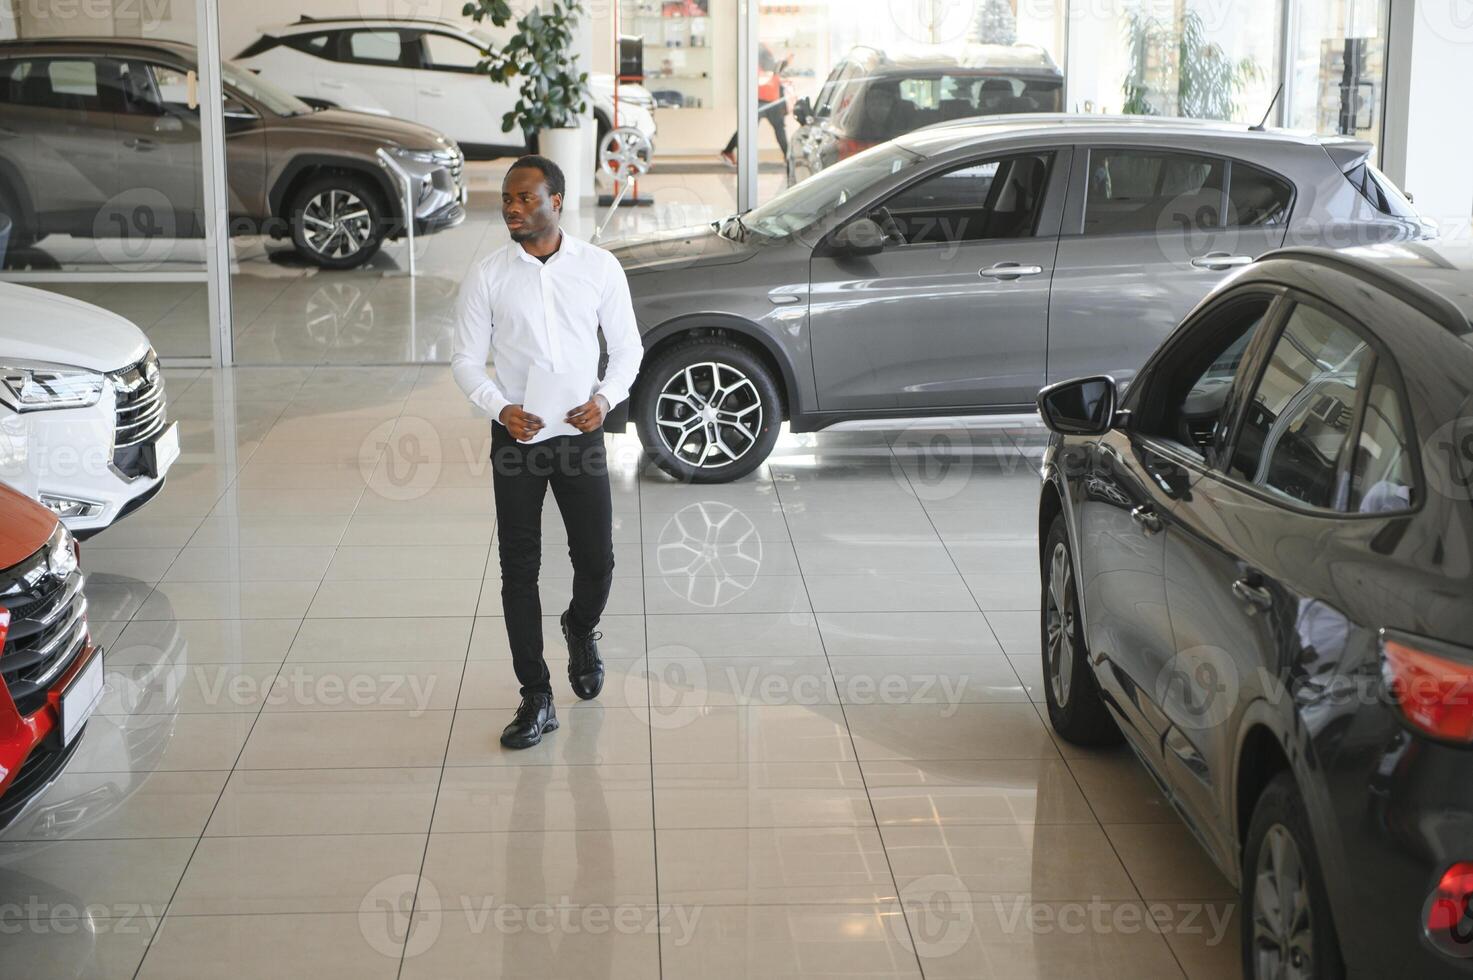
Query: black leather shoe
(585, 669)
(535, 717)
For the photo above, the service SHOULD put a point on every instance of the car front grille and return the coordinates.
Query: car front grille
(48, 629)
(141, 414)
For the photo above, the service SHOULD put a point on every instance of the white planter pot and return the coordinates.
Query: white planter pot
(565, 148)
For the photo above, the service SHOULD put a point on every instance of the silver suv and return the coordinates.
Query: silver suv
(960, 268)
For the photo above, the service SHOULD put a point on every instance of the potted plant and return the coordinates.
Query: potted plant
(552, 93)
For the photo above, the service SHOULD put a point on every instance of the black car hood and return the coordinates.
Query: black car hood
(698, 245)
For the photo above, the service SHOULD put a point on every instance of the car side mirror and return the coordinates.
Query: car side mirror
(1082, 407)
(862, 236)
(803, 111)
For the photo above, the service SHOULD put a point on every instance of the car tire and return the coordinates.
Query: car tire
(707, 364)
(357, 214)
(1279, 853)
(1076, 709)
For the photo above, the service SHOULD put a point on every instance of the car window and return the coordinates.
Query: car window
(1257, 198)
(315, 44)
(1152, 191)
(813, 203)
(376, 47)
(978, 201)
(824, 104)
(1297, 428)
(1378, 189)
(446, 53)
(70, 84)
(889, 105)
(1382, 474)
(1189, 406)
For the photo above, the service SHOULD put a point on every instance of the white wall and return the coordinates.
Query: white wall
(1427, 145)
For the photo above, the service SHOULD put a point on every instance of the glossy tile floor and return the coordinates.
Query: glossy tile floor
(819, 752)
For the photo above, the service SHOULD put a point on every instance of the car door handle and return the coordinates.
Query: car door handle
(1253, 594)
(330, 83)
(141, 144)
(1008, 271)
(1217, 261)
(436, 92)
(1147, 518)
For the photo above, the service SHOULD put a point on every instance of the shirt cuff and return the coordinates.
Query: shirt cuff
(613, 395)
(497, 404)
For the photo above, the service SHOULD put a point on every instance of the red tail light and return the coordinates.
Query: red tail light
(848, 147)
(1433, 689)
(4, 626)
(1448, 918)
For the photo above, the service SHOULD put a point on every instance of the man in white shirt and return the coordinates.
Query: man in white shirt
(537, 305)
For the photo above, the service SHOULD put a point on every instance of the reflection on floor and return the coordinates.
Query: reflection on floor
(287, 312)
(819, 752)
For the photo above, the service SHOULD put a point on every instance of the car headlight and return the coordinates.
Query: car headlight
(36, 387)
(61, 552)
(418, 156)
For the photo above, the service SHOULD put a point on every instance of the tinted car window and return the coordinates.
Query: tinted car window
(376, 47)
(1297, 429)
(317, 44)
(987, 199)
(889, 106)
(1190, 407)
(72, 84)
(1257, 197)
(1152, 191)
(1377, 188)
(1382, 477)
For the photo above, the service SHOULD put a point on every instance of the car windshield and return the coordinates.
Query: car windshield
(811, 202)
(254, 87)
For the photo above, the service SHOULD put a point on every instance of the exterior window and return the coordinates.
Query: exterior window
(378, 47)
(1299, 425)
(446, 53)
(980, 201)
(1152, 191)
(1257, 198)
(1382, 478)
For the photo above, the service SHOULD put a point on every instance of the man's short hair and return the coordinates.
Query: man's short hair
(551, 172)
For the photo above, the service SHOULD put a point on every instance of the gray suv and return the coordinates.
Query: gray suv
(959, 269)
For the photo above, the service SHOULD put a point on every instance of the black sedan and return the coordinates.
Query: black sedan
(1258, 570)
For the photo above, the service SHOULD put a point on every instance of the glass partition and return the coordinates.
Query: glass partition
(101, 185)
(1336, 78)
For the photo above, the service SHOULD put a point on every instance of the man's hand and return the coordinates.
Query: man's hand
(590, 415)
(519, 423)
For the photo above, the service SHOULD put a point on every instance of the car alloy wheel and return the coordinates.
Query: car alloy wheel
(709, 414)
(1283, 936)
(337, 224)
(1060, 618)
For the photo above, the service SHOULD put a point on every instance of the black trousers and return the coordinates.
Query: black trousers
(775, 113)
(576, 467)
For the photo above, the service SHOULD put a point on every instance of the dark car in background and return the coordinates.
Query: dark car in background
(871, 97)
(960, 268)
(1257, 569)
(99, 138)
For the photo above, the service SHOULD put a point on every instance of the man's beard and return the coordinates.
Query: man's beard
(524, 235)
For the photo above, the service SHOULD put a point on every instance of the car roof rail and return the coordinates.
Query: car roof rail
(1409, 290)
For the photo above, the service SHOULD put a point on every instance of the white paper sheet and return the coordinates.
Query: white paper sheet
(550, 397)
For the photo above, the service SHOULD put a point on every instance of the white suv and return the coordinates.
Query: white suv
(83, 426)
(420, 70)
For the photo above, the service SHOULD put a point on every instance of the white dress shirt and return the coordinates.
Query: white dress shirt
(523, 311)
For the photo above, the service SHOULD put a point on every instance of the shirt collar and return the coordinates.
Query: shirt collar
(569, 246)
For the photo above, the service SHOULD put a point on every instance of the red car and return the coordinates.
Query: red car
(50, 673)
